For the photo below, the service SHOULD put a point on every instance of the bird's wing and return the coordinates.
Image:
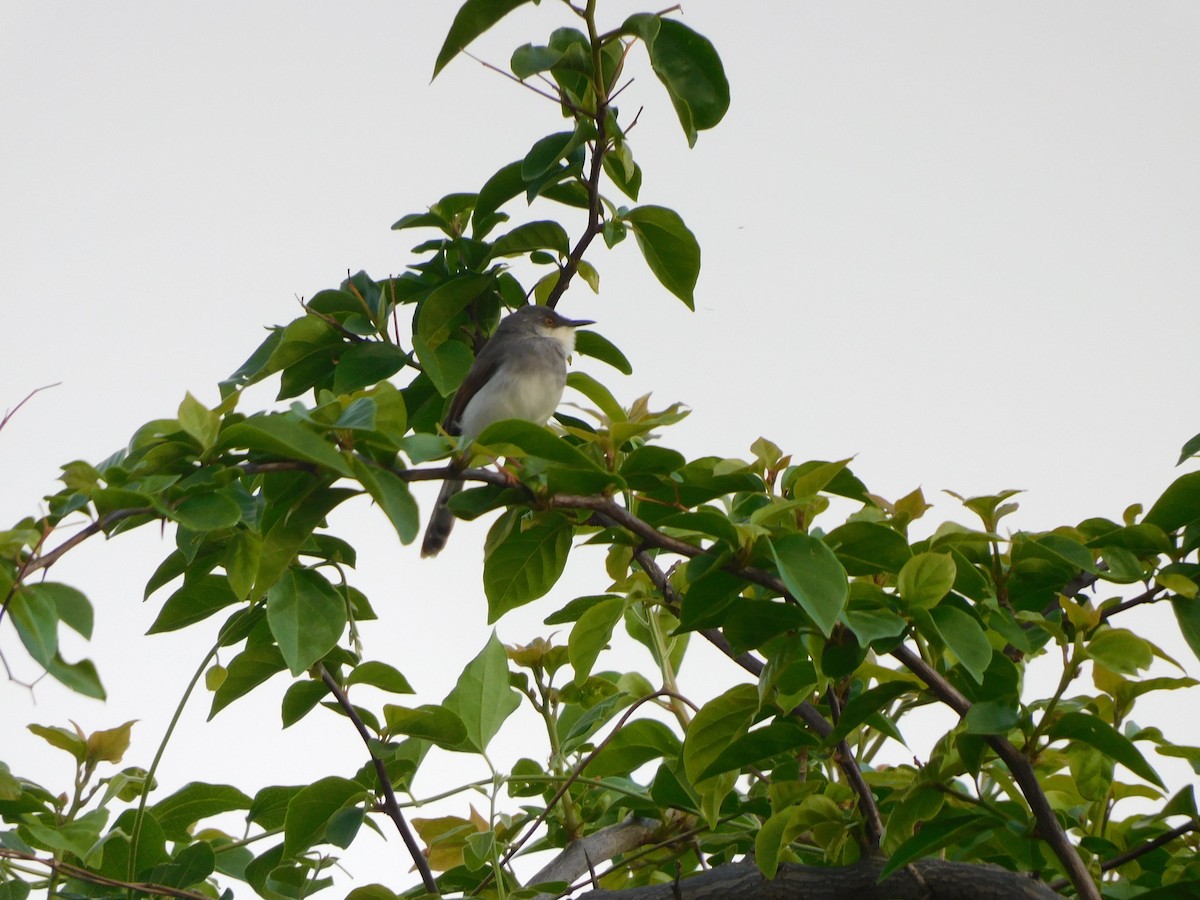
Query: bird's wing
(481, 371)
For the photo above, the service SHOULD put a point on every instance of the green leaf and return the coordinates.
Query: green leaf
(598, 394)
(362, 365)
(719, 723)
(243, 553)
(1067, 549)
(1120, 650)
(935, 836)
(1187, 614)
(529, 59)
(198, 599)
(35, 615)
(535, 440)
(813, 576)
(246, 671)
(207, 512)
(1078, 726)
(431, 723)
(57, 736)
(79, 676)
(1190, 449)
(287, 535)
(199, 422)
(776, 833)
(874, 624)
(307, 617)
(688, 65)
(991, 717)
(754, 622)
(708, 598)
(380, 675)
(965, 636)
(633, 746)
(589, 343)
(482, 698)
(866, 705)
(109, 744)
(473, 18)
(281, 434)
(543, 155)
(778, 737)
(392, 495)
(177, 813)
(925, 579)
(191, 865)
(310, 811)
(445, 365)
(73, 607)
(670, 249)
(543, 235)
(591, 634)
(868, 548)
(300, 699)
(444, 303)
(522, 564)
(1179, 504)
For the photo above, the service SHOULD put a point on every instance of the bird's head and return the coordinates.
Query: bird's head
(543, 322)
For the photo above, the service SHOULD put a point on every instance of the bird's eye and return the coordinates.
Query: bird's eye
(549, 322)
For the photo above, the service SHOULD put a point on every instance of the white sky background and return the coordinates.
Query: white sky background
(959, 241)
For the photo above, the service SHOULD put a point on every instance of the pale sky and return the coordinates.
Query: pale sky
(960, 242)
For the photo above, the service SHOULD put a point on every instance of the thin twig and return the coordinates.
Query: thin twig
(12, 412)
(566, 785)
(390, 805)
(1141, 850)
(805, 711)
(82, 874)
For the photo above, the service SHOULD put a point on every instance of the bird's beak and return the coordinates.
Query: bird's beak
(578, 323)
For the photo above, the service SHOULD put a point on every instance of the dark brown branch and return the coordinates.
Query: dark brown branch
(926, 879)
(1022, 771)
(806, 712)
(82, 874)
(390, 805)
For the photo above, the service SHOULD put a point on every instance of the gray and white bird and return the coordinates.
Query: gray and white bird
(519, 374)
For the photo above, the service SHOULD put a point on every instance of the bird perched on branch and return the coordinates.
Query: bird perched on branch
(519, 374)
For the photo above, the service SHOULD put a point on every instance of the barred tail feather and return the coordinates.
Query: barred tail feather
(441, 522)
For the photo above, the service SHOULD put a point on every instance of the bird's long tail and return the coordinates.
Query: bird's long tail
(441, 522)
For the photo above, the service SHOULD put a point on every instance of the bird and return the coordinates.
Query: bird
(519, 374)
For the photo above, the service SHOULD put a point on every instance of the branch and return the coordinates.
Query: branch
(390, 805)
(581, 856)
(1020, 767)
(566, 785)
(926, 879)
(808, 713)
(12, 412)
(1048, 826)
(82, 874)
(595, 223)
